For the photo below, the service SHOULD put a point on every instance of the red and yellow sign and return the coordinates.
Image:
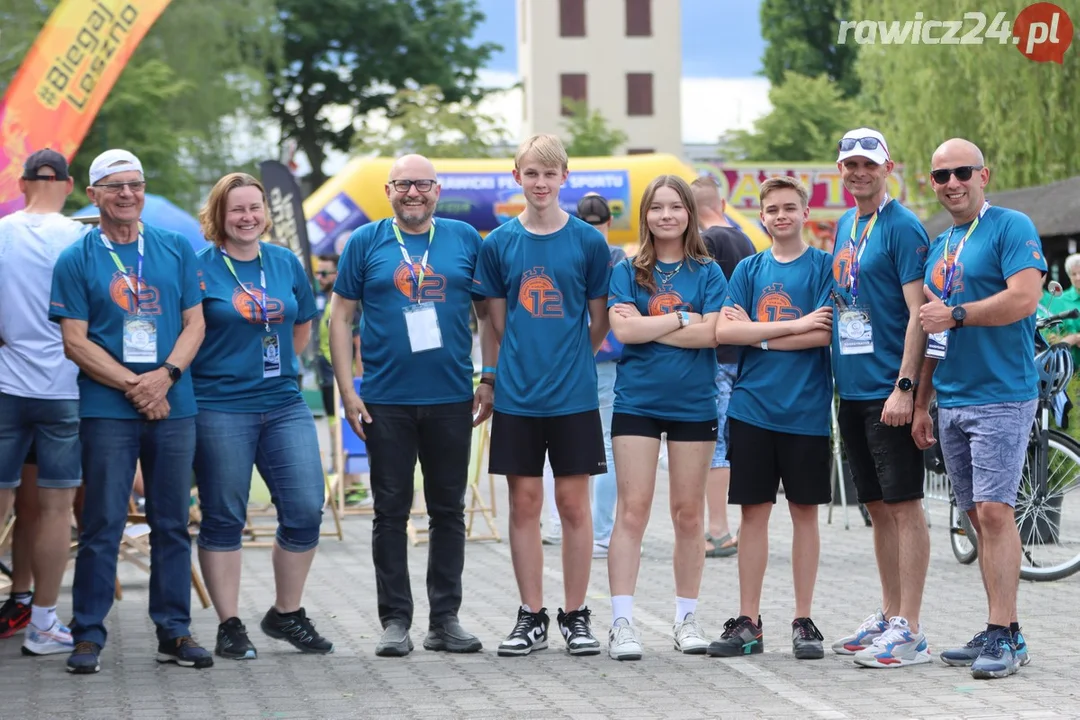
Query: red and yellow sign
(64, 79)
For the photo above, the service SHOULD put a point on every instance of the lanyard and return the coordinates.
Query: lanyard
(950, 268)
(417, 281)
(260, 299)
(137, 287)
(858, 248)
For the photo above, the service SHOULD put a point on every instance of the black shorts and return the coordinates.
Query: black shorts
(573, 443)
(677, 430)
(885, 462)
(328, 399)
(760, 458)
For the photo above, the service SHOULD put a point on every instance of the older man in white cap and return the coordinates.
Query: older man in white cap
(878, 258)
(128, 300)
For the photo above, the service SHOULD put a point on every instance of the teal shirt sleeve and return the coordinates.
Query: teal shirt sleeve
(191, 289)
(306, 309)
(715, 289)
(599, 265)
(621, 287)
(68, 298)
(1020, 247)
(350, 279)
(488, 280)
(911, 245)
(823, 295)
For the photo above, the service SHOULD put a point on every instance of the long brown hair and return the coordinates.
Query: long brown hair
(693, 245)
(212, 214)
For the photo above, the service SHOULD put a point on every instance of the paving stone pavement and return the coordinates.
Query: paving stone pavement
(353, 683)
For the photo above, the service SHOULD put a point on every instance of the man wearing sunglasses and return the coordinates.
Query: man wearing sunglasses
(413, 275)
(39, 397)
(984, 280)
(878, 257)
(128, 299)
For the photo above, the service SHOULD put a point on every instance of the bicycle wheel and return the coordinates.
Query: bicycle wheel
(965, 545)
(1050, 525)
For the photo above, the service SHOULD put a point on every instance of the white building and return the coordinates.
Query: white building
(622, 57)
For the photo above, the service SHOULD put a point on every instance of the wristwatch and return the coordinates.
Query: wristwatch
(959, 314)
(174, 372)
(764, 344)
(904, 384)
(684, 318)
(487, 381)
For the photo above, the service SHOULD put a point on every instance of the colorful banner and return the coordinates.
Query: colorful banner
(64, 79)
(287, 212)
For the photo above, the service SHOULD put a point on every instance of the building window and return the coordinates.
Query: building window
(573, 86)
(640, 151)
(639, 94)
(572, 18)
(638, 18)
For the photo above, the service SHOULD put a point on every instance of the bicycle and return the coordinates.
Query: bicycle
(1050, 545)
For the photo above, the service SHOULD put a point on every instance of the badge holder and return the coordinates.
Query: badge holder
(271, 352)
(937, 345)
(855, 331)
(140, 339)
(423, 326)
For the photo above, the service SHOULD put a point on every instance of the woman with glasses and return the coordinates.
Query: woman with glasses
(259, 307)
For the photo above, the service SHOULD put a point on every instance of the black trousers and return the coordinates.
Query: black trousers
(441, 436)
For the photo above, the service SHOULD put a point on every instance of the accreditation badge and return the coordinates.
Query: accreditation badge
(855, 331)
(271, 356)
(937, 345)
(140, 339)
(423, 326)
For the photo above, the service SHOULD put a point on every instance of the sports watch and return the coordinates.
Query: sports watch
(904, 384)
(174, 372)
(959, 314)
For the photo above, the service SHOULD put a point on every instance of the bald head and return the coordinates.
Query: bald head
(412, 167)
(956, 151)
(413, 192)
(958, 174)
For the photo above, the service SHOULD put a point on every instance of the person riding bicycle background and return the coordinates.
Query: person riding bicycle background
(983, 284)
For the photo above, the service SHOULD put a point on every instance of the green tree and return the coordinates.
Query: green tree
(422, 121)
(590, 133)
(353, 55)
(1024, 115)
(808, 116)
(801, 37)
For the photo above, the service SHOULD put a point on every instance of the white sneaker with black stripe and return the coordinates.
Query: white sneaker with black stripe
(530, 633)
(577, 630)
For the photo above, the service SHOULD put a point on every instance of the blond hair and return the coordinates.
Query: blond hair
(212, 214)
(547, 149)
(707, 192)
(784, 182)
(693, 245)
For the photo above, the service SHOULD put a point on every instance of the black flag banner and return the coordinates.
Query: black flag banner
(287, 212)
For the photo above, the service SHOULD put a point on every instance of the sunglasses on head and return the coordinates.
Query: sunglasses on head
(962, 173)
(866, 143)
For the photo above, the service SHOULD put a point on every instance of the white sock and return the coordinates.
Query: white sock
(42, 617)
(622, 606)
(683, 607)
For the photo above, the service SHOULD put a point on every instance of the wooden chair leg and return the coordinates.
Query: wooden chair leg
(200, 587)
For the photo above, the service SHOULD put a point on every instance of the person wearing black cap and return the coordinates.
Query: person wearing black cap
(39, 398)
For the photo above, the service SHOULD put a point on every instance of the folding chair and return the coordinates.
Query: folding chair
(135, 549)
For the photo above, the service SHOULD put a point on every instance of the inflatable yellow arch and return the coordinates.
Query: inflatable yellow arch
(483, 193)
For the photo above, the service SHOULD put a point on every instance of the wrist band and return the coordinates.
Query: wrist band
(488, 370)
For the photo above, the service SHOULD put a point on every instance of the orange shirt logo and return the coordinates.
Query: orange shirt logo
(539, 296)
(774, 305)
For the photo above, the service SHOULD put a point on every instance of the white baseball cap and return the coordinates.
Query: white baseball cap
(113, 161)
(879, 154)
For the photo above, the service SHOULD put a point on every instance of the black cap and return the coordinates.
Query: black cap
(46, 158)
(593, 209)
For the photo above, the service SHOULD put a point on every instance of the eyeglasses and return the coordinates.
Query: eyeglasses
(402, 186)
(43, 178)
(866, 143)
(136, 186)
(962, 173)
(326, 273)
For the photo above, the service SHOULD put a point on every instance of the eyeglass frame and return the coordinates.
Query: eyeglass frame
(410, 184)
(861, 142)
(118, 187)
(970, 169)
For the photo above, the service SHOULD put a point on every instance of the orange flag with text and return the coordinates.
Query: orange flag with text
(64, 79)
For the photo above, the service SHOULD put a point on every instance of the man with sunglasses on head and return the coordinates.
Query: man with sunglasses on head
(878, 256)
(128, 299)
(983, 280)
(413, 275)
(39, 397)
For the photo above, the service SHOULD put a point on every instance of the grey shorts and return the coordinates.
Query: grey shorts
(985, 447)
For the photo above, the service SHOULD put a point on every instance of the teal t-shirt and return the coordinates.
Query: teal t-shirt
(228, 371)
(373, 271)
(892, 255)
(786, 391)
(660, 381)
(88, 286)
(546, 366)
(985, 365)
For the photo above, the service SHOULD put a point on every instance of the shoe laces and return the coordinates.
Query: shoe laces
(84, 648)
(577, 622)
(187, 643)
(689, 627)
(978, 641)
(623, 633)
(808, 630)
(997, 648)
(524, 623)
(869, 623)
(733, 625)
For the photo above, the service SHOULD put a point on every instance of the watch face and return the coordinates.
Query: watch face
(959, 313)
(904, 384)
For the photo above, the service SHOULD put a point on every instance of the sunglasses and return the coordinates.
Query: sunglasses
(962, 173)
(326, 273)
(866, 143)
(402, 186)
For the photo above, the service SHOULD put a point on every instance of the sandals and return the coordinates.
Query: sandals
(720, 548)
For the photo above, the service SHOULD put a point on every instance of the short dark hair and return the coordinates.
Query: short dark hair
(330, 257)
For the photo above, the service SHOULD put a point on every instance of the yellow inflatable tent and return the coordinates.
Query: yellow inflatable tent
(483, 193)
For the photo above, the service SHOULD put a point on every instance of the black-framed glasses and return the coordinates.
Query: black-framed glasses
(43, 178)
(866, 143)
(962, 173)
(116, 187)
(402, 186)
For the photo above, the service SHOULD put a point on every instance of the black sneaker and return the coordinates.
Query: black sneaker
(14, 615)
(577, 630)
(530, 633)
(183, 651)
(740, 637)
(297, 630)
(233, 642)
(806, 640)
(84, 659)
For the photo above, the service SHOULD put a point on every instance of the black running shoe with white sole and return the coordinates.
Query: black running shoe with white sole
(233, 642)
(296, 629)
(740, 637)
(529, 633)
(577, 630)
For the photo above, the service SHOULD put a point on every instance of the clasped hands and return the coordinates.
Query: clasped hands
(147, 393)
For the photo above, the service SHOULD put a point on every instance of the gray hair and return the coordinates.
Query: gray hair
(1071, 262)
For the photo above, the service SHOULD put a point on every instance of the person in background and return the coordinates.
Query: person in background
(1069, 330)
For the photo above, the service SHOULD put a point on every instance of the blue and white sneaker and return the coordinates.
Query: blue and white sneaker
(896, 647)
(864, 637)
(966, 655)
(56, 639)
(998, 657)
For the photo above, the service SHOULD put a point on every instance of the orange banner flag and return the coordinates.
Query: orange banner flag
(60, 86)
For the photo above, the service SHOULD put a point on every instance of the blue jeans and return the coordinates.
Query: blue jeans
(725, 382)
(52, 427)
(605, 490)
(283, 445)
(110, 449)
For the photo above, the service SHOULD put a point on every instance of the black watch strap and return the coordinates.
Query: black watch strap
(487, 381)
(175, 373)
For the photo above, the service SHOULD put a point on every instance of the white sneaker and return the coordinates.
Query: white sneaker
(599, 551)
(896, 647)
(689, 637)
(623, 641)
(56, 639)
(552, 536)
(864, 637)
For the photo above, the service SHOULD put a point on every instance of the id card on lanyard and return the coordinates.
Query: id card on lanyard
(140, 331)
(937, 344)
(421, 321)
(270, 344)
(855, 330)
